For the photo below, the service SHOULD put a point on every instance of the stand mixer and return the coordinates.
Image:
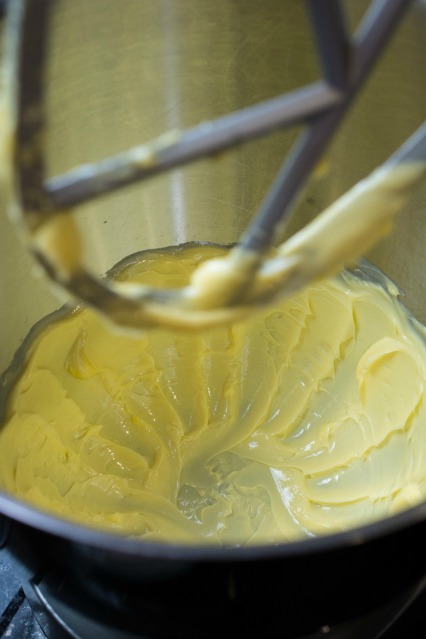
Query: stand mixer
(106, 560)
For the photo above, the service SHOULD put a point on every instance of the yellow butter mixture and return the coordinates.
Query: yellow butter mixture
(305, 419)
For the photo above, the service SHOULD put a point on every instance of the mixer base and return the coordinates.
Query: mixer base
(58, 609)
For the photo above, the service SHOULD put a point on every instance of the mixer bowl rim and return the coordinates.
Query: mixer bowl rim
(72, 532)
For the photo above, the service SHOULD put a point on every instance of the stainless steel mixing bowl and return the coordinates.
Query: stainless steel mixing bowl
(121, 73)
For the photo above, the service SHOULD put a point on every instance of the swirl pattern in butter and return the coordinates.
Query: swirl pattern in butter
(306, 419)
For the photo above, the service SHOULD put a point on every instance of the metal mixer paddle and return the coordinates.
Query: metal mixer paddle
(227, 289)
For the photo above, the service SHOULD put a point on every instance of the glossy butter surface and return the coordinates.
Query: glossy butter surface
(308, 418)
